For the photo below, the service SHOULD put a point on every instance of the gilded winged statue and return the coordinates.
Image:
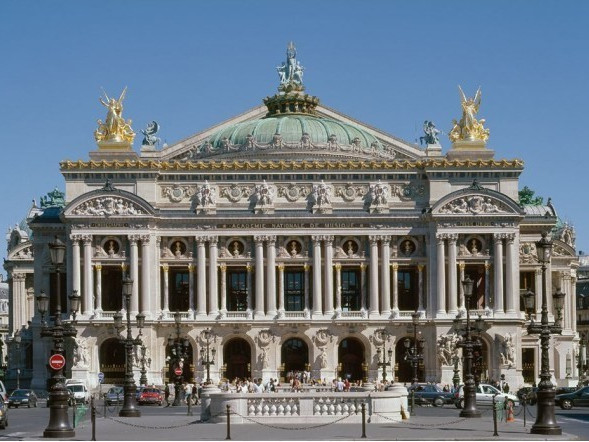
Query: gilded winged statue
(469, 128)
(115, 128)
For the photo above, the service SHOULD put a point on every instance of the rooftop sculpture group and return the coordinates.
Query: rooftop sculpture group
(291, 72)
(115, 128)
(469, 128)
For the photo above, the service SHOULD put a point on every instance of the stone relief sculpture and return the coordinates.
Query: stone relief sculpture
(115, 128)
(293, 192)
(473, 204)
(264, 357)
(236, 192)
(81, 354)
(177, 193)
(447, 348)
(108, 206)
(26, 253)
(321, 196)
(149, 132)
(508, 355)
(206, 198)
(527, 253)
(322, 337)
(350, 191)
(323, 359)
(469, 128)
(265, 337)
(431, 134)
(263, 198)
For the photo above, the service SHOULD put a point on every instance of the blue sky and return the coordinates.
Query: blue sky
(392, 64)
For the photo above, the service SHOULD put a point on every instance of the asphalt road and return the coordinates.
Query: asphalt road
(172, 423)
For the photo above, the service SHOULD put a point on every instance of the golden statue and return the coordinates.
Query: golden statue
(469, 128)
(115, 128)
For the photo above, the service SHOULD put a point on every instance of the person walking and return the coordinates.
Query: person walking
(167, 395)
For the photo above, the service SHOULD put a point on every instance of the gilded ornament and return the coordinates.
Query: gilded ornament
(115, 128)
(469, 128)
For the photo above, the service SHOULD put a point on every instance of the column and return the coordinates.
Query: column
(328, 261)
(385, 275)
(511, 267)
(317, 305)
(88, 283)
(487, 285)
(98, 279)
(281, 290)
(19, 294)
(338, 287)
(363, 286)
(420, 287)
(250, 301)
(307, 267)
(165, 269)
(201, 274)
(539, 290)
(441, 275)
(157, 295)
(452, 282)
(395, 267)
(498, 265)
(213, 287)
(76, 262)
(373, 275)
(134, 274)
(223, 268)
(271, 276)
(566, 310)
(259, 276)
(191, 289)
(145, 272)
(461, 305)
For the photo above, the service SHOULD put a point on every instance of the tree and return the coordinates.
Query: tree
(527, 198)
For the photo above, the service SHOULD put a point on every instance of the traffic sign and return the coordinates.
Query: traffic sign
(100, 377)
(177, 371)
(57, 362)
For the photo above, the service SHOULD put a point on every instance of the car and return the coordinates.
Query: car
(563, 390)
(529, 394)
(150, 396)
(114, 396)
(138, 391)
(431, 394)
(3, 414)
(3, 392)
(579, 398)
(81, 393)
(23, 397)
(484, 396)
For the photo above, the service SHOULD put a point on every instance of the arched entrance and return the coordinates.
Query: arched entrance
(112, 361)
(294, 355)
(403, 367)
(237, 355)
(350, 356)
(187, 365)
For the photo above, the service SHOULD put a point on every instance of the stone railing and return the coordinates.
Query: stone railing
(305, 407)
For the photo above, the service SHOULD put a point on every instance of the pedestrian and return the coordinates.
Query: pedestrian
(187, 392)
(167, 395)
(195, 394)
(506, 388)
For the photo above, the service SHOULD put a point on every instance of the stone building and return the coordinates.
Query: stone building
(301, 239)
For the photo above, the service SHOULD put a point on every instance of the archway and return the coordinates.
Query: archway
(350, 356)
(187, 365)
(237, 355)
(295, 356)
(403, 367)
(112, 361)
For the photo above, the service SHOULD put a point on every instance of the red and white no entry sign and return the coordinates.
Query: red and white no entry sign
(56, 362)
(177, 371)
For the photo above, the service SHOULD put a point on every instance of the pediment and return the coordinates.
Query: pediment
(108, 202)
(476, 201)
(198, 146)
(23, 251)
(563, 250)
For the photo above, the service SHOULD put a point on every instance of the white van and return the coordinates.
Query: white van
(79, 390)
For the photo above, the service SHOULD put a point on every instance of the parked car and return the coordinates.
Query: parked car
(3, 414)
(564, 390)
(138, 391)
(150, 396)
(426, 394)
(484, 394)
(3, 392)
(529, 393)
(22, 397)
(579, 398)
(81, 393)
(114, 396)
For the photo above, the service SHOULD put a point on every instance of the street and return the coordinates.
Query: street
(157, 423)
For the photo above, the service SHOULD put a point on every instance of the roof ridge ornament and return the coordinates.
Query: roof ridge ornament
(108, 187)
(291, 71)
(475, 185)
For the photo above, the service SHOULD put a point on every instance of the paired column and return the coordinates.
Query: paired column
(165, 269)
(271, 276)
(250, 301)
(281, 289)
(223, 268)
(317, 305)
(260, 311)
(487, 284)
(511, 269)
(19, 294)
(338, 287)
(201, 269)
(363, 286)
(307, 267)
(420, 286)
(385, 275)
(98, 289)
(328, 241)
(88, 278)
(76, 262)
(452, 281)
(395, 267)
(145, 272)
(441, 276)
(498, 264)
(373, 275)
(213, 287)
(539, 290)
(191, 269)
(461, 304)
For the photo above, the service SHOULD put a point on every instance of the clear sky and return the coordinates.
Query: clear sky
(392, 64)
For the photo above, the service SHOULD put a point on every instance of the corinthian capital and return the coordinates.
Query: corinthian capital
(134, 238)
(75, 237)
(144, 239)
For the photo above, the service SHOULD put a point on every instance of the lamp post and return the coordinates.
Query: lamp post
(468, 345)
(17, 340)
(143, 378)
(59, 426)
(545, 418)
(129, 403)
(582, 359)
(178, 349)
(207, 355)
(383, 362)
(456, 377)
(414, 355)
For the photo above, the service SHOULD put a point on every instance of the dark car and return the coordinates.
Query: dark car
(579, 398)
(22, 397)
(114, 396)
(150, 396)
(3, 414)
(529, 394)
(431, 394)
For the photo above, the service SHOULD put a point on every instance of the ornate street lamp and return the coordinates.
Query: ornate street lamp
(129, 403)
(143, 378)
(205, 355)
(384, 363)
(17, 341)
(545, 418)
(468, 345)
(178, 348)
(456, 377)
(414, 355)
(59, 426)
